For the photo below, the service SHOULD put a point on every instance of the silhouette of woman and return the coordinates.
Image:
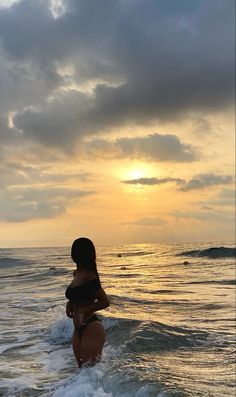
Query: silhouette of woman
(86, 296)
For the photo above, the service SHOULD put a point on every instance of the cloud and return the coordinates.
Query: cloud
(200, 181)
(15, 173)
(205, 216)
(225, 197)
(148, 222)
(227, 194)
(154, 147)
(24, 204)
(59, 123)
(203, 181)
(201, 126)
(32, 191)
(158, 147)
(152, 181)
(136, 72)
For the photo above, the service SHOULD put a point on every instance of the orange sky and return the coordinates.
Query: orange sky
(116, 123)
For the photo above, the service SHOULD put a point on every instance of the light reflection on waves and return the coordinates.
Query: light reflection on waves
(121, 254)
(163, 291)
(120, 301)
(221, 282)
(129, 275)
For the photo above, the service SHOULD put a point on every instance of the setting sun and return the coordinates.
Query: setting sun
(136, 171)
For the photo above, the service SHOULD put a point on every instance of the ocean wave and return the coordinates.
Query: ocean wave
(122, 301)
(135, 334)
(217, 282)
(163, 291)
(7, 262)
(114, 375)
(213, 252)
(35, 274)
(134, 253)
(129, 275)
(155, 336)
(99, 381)
(16, 275)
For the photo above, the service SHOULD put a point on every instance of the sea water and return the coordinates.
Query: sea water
(170, 325)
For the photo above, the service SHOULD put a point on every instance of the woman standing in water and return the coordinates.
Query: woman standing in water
(86, 296)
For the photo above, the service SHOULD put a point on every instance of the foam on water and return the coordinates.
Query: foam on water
(97, 382)
(106, 378)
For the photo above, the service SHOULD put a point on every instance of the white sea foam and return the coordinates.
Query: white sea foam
(87, 383)
(53, 361)
(18, 385)
(109, 322)
(61, 330)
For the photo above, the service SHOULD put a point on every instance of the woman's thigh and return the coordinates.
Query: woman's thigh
(76, 343)
(92, 342)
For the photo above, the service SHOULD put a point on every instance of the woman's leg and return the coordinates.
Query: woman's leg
(76, 343)
(93, 339)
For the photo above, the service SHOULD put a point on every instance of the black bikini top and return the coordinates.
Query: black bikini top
(84, 292)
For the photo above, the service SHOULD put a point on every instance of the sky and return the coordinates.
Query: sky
(116, 121)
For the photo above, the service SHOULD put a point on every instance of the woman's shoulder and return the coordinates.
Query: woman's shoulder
(87, 276)
(83, 278)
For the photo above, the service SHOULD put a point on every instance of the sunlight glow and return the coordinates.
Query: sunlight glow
(137, 171)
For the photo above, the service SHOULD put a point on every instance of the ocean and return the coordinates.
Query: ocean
(170, 325)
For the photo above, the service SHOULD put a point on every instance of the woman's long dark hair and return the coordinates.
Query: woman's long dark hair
(83, 254)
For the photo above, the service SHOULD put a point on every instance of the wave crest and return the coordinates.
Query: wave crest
(213, 252)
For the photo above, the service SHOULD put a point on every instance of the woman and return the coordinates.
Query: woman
(86, 296)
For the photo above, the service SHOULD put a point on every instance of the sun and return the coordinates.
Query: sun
(136, 171)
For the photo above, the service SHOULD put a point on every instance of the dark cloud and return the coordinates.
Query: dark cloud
(153, 147)
(157, 147)
(58, 124)
(200, 181)
(201, 126)
(203, 181)
(149, 61)
(152, 181)
(24, 204)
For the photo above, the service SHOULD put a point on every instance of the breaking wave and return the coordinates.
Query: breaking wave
(213, 252)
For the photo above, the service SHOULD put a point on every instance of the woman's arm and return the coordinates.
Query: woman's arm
(69, 309)
(101, 303)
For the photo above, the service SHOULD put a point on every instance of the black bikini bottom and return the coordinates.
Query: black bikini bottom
(82, 327)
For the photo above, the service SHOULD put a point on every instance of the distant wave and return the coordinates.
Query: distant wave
(214, 252)
(38, 275)
(135, 253)
(7, 262)
(220, 282)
